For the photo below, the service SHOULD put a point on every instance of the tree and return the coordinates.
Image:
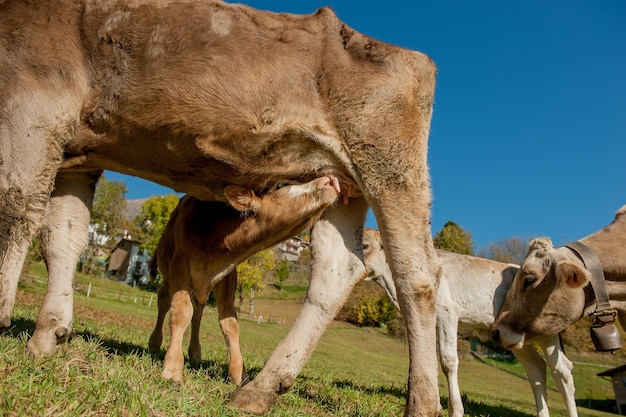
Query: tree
(454, 238)
(250, 275)
(109, 204)
(282, 273)
(152, 219)
(509, 250)
(107, 216)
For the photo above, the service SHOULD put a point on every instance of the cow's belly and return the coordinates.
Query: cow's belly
(203, 167)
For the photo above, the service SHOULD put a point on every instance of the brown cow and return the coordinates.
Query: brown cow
(551, 290)
(199, 94)
(202, 244)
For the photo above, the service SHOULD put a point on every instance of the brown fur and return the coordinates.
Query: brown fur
(199, 94)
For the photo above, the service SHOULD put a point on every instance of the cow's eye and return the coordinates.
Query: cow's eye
(366, 246)
(529, 281)
(282, 184)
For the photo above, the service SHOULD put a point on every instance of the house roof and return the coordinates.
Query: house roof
(613, 371)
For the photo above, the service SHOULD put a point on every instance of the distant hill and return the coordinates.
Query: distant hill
(133, 207)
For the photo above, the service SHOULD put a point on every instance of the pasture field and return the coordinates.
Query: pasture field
(106, 370)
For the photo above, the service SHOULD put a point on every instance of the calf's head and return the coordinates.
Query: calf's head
(282, 212)
(546, 296)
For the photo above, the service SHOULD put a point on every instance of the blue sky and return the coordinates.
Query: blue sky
(528, 136)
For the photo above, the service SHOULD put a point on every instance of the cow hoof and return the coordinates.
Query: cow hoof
(252, 401)
(175, 377)
(5, 322)
(47, 342)
(38, 347)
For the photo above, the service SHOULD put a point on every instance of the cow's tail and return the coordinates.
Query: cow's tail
(153, 267)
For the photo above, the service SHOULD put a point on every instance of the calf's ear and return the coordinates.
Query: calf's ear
(242, 198)
(572, 274)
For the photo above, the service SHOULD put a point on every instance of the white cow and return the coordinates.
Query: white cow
(471, 293)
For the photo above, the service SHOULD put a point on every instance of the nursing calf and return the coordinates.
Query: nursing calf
(200, 248)
(471, 293)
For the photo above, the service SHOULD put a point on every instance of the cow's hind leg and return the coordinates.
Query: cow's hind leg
(336, 242)
(225, 295)
(404, 221)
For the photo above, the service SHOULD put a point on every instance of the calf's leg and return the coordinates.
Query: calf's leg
(164, 302)
(180, 316)
(225, 295)
(195, 350)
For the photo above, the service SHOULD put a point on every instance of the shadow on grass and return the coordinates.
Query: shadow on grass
(609, 406)
(472, 408)
(20, 326)
(307, 390)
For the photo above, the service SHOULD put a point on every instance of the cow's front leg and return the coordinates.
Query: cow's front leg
(447, 342)
(337, 268)
(63, 238)
(561, 368)
(535, 368)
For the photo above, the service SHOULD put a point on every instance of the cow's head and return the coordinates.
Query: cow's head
(546, 296)
(376, 264)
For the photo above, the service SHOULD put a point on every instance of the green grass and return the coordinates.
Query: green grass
(106, 370)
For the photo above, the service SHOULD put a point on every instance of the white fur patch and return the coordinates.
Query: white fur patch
(298, 190)
(221, 23)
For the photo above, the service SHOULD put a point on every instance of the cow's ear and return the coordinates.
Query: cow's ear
(242, 198)
(572, 274)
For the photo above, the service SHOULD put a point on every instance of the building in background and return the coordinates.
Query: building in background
(618, 375)
(291, 249)
(129, 263)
